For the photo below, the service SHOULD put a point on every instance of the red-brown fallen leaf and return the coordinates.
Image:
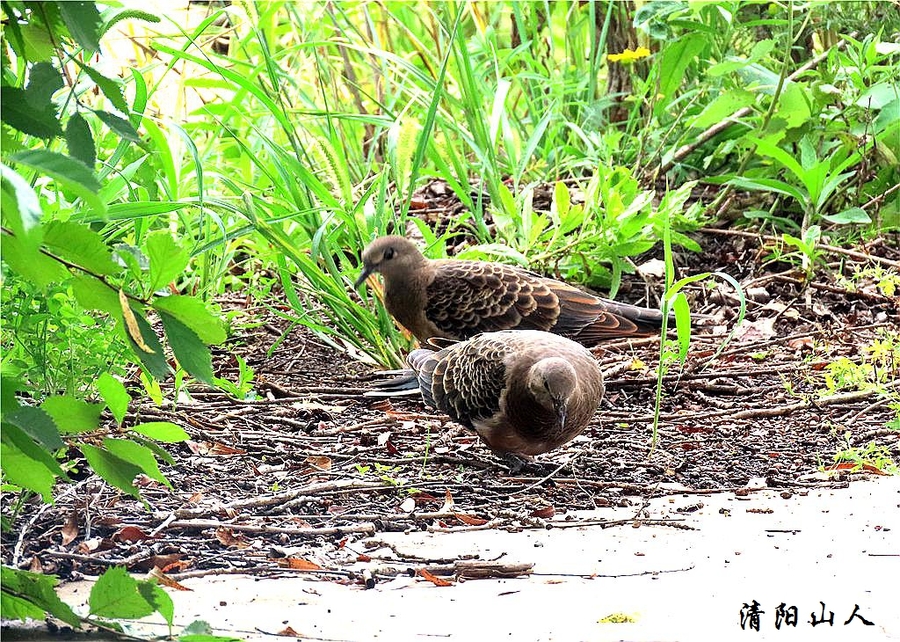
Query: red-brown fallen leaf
(383, 405)
(448, 503)
(69, 530)
(299, 521)
(849, 466)
(471, 520)
(362, 557)
(544, 513)
(165, 580)
(687, 445)
(164, 563)
(418, 203)
(288, 632)
(434, 579)
(222, 449)
(319, 461)
(800, 343)
(690, 430)
(36, 566)
(774, 455)
(130, 534)
(227, 538)
(196, 498)
(298, 563)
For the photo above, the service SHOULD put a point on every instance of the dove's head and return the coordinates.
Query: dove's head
(393, 256)
(552, 382)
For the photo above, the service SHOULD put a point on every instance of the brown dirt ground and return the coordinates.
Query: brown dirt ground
(312, 464)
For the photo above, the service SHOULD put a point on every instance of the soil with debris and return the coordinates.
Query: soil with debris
(312, 464)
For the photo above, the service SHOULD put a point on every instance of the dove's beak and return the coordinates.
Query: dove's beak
(366, 271)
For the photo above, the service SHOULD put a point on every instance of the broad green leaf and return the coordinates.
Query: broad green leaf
(723, 106)
(111, 88)
(36, 590)
(72, 415)
(114, 470)
(115, 395)
(26, 464)
(157, 450)
(117, 595)
(80, 245)
(92, 294)
(119, 125)
(162, 603)
(38, 424)
(851, 215)
(793, 104)
(758, 77)
(32, 264)
(163, 431)
(9, 385)
(191, 352)
(773, 151)
(80, 140)
(155, 362)
(193, 313)
(878, 95)
(138, 455)
(167, 259)
(770, 185)
(19, 113)
(674, 61)
(18, 608)
(43, 81)
(21, 208)
(83, 21)
(71, 173)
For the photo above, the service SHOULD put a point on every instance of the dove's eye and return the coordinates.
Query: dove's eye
(389, 254)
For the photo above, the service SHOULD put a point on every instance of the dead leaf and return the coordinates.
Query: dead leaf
(544, 513)
(131, 323)
(69, 530)
(96, 545)
(164, 563)
(165, 580)
(298, 563)
(761, 330)
(362, 557)
(434, 579)
(384, 405)
(471, 520)
(130, 534)
(288, 632)
(36, 566)
(196, 498)
(319, 461)
(227, 538)
(448, 503)
(801, 343)
(311, 406)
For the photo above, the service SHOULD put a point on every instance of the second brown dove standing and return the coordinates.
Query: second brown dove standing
(524, 392)
(457, 299)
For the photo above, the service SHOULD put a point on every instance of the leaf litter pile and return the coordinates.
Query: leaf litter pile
(306, 477)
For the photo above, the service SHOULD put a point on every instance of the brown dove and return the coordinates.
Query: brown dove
(524, 392)
(458, 299)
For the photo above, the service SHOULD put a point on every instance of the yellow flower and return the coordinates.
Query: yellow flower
(628, 55)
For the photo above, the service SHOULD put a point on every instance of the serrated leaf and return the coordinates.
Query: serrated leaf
(9, 385)
(193, 313)
(80, 140)
(20, 114)
(157, 450)
(21, 208)
(38, 424)
(138, 455)
(111, 88)
(163, 431)
(80, 245)
(115, 395)
(119, 125)
(83, 21)
(26, 464)
(93, 294)
(35, 590)
(116, 595)
(43, 81)
(32, 264)
(114, 470)
(71, 173)
(160, 600)
(191, 352)
(72, 415)
(167, 259)
(154, 361)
